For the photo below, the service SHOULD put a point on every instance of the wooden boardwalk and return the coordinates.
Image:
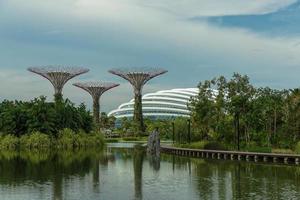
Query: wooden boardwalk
(233, 155)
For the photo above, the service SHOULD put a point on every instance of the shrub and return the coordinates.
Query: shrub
(111, 140)
(214, 146)
(98, 139)
(66, 139)
(297, 148)
(194, 145)
(35, 140)
(132, 138)
(204, 144)
(9, 142)
(258, 149)
(283, 151)
(8, 154)
(198, 145)
(19, 118)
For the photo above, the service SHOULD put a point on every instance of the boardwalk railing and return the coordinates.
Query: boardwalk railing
(233, 155)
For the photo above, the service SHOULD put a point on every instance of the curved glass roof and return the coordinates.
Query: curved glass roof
(164, 103)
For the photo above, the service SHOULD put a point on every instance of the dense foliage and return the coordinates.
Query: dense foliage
(67, 139)
(19, 118)
(107, 122)
(128, 128)
(230, 110)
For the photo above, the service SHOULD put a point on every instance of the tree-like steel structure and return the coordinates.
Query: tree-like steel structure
(138, 77)
(96, 89)
(58, 76)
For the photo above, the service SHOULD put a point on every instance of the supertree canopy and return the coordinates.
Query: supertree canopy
(96, 89)
(138, 77)
(58, 76)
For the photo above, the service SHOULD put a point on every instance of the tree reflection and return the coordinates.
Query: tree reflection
(138, 158)
(210, 179)
(236, 180)
(42, 166)
(154, 162)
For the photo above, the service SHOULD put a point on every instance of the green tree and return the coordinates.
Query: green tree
(41, 117)
(18, 118)
(203, 108)
(240, 93)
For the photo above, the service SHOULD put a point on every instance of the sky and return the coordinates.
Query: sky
(194, 40)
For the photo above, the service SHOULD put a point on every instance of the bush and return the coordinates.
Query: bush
(97, 138)
(9, 142)
(133, 138)
(297, 148)
(214, 146)
(19, 118)
(194, 145)
(111, 140)
(283, 151)
(203, 145)
(258, 149)
(198, 145)
(36, 140)
(68, 139)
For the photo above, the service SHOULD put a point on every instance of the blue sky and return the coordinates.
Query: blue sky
(194, 39)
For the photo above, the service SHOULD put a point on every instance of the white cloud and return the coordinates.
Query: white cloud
(23, 85)
(192, 8)
(140, 31)
(129, 9)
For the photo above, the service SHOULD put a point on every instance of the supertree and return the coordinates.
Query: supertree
(138, 77)
(96, 89)
(58, 76)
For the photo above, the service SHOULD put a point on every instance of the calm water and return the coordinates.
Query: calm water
(128, 173)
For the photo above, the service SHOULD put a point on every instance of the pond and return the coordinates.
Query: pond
(124, 171)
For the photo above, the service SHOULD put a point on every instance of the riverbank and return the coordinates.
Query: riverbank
(66, 139)
(234, 155)
(213, 145)
(133, 140)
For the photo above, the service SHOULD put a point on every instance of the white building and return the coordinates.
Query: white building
(161, 104)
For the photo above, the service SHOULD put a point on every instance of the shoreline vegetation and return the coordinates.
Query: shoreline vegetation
(67, 139)
(206, 145)
(227, 114)
(234, 114)
(39, 124)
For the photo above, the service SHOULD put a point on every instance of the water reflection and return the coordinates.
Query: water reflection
(19, 168)
(138, 159)
(128, 173)
(154, 162)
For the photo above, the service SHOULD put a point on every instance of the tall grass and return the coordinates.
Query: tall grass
(297, 148)
(9, 142)
(203, 145)
(67, 139)
(36, 140)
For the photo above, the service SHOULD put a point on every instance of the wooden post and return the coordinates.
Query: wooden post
(173, 131)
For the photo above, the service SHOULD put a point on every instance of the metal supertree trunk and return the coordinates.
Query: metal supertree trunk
(58, 76)
(138, 77)
(96, 89)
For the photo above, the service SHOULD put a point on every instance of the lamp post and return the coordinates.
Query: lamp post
(189, 131)
(173, 132)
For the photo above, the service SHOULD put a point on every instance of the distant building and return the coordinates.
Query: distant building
(163, 104)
